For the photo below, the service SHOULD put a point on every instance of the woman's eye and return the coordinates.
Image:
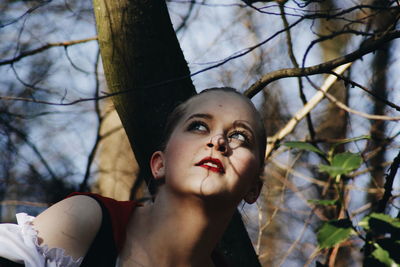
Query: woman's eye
(240, 136)
(198, 126)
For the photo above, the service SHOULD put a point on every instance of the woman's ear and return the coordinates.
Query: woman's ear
(157, 165)
(254, 192)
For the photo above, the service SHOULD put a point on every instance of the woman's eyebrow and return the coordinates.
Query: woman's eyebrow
(200, 115)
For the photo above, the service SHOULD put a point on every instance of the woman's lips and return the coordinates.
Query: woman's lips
(211, 164)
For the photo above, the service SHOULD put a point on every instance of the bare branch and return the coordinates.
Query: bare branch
(43, 48)
(353, 83)
(74, 102)
(72, 63)
(111, 132)
(186, 18)
(389, 184)
(247, 50)
(303, 112)
(25, 138)
(369, 46)
(29, 11)
(296, 65)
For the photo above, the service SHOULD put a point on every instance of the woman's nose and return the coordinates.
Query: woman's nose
(220, 143)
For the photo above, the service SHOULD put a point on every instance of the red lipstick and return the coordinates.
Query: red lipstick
(211, 164)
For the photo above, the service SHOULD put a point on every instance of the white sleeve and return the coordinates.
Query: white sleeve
(18, 243)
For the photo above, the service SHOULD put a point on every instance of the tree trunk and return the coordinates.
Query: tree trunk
(334, 120)
(141, 56)
(380, 65)
(144, 65)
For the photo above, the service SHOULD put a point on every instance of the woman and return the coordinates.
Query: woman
(211, 160)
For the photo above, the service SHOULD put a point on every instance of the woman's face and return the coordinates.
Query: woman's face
(214, 149)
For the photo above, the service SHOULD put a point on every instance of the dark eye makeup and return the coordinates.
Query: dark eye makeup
(240, 136)
(198, 126)
(236, 135)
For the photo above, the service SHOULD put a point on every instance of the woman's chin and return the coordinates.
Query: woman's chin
(216, 195)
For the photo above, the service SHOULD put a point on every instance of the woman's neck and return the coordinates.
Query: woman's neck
(174, 232)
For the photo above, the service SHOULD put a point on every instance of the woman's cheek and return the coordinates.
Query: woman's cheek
(248, 166)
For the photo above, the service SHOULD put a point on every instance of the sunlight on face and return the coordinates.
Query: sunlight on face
(214, 149)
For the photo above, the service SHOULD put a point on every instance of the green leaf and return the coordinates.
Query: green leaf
(381, 223)
(348, 140)
(364, 223)
(386, 218)
(323, 202)
(383, 256)
(347, 160)
(303, 146)
(334, 232)
(392, 246)
(342, 163)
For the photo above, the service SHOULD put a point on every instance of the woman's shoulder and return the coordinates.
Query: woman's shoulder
(71, 224)
(118, 213)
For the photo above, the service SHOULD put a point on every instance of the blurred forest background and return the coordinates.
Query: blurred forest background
(59, 132)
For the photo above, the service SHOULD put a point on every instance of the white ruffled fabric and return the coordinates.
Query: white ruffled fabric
(19, 243)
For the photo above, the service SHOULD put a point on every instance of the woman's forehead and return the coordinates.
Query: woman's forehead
(220, 103)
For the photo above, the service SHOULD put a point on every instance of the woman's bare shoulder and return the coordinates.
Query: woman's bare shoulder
(70, 224)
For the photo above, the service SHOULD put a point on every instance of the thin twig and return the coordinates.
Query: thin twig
(29, 11)
(296, 65)
(25, 138)
(333, 255)
(74, 102)
(339, 104)
(43, 48)
(290, 185)
(23, 203)
(186, 18)
(389, 184)
(298, 239)
(264, 226)
(83, 186)
(353, 83)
